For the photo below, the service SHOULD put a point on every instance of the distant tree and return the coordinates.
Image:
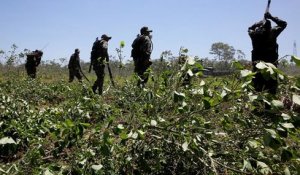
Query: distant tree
(222, 51)
(1, 55)
(166, 55)
(240, 54)
(62, 61)
(11, 58)
(206, 62)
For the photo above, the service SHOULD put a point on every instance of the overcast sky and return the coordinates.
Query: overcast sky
(64, 25)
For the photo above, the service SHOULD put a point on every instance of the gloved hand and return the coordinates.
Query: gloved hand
(268, 15)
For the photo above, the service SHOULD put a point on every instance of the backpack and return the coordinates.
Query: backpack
(137, 47)
(94, 51)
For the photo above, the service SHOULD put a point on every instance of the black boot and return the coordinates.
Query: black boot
(94, 88)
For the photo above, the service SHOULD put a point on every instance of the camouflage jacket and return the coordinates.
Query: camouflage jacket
(264, 43)
(141, 47)
(33, 59)
(74, 62)
(99, 52)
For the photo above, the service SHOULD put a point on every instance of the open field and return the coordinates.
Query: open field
(217, 125)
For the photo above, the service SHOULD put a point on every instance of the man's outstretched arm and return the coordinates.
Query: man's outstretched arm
(281, 24)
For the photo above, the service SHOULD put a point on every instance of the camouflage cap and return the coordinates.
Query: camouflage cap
(104, 36)
(145, 29)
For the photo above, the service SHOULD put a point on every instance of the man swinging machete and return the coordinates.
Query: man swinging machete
(265, 48)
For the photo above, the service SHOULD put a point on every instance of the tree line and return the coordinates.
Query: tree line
(223, 54)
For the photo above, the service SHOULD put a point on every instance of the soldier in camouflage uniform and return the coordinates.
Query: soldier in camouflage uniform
(33, 60)
(141, 52)
(99, 56)
(74, 66)
(265, 48)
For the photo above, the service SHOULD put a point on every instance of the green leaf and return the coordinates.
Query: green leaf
(296, 60)
(277, 104)
(238, 65)
(106, 136)
(286, 155)
(296, 99)
(190, 73)
(120, 126)
(1, 170)
(199, 74)
(247, 166)
(263, 168)
(123, 135)
(279, 72)
(54, 167)
(141, 134)
(223, 94)
(132, 135)
(97, 167)
(83, 162)
(202, 83)
(7, 140)
(246, 73)
(298, 82)
(285, 116)
(207, 125)
(199, 91)
(118, 129)
(69, 123)
(178, 97)
(270, 65)
(272, 132)
(105, 150)
(261, 65)
(185, 146)
(92, 152)
(47, 172)
(199, 66)
(85, 125)
(153, 123)
(253, 144)
(282, 132)
(122, 44)
(191, 60)
(281, 77)
(266, 101)
(287, 125)
(287, 171)
(270, 139)
(207, 103)
(208, 135)
(253, 97)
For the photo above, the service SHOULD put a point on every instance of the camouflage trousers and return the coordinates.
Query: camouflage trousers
(31, 70)
(140, 68)
(74, 73)
(98, 85)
